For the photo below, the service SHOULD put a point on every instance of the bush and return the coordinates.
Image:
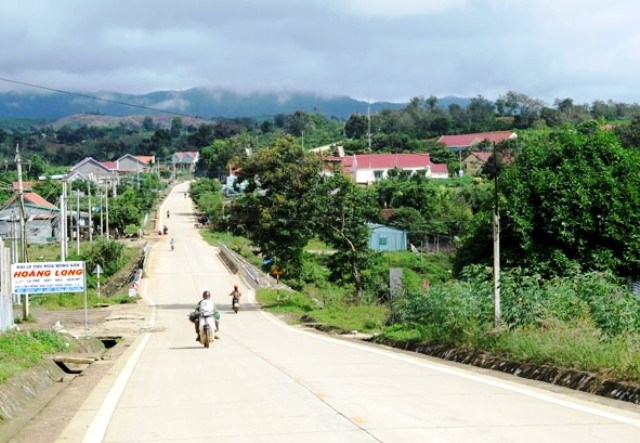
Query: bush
(109, 254)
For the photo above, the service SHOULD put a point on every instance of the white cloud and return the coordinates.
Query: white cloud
(398, 8)
(380, 49)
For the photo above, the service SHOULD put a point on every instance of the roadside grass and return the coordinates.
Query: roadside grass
(75, 300)
(582, 347)
(20, 351)
(342, 316)
(317, 245)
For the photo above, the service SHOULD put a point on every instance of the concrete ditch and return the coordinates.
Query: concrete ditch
(568, 378)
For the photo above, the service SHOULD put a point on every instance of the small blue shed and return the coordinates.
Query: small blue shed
(386, 238)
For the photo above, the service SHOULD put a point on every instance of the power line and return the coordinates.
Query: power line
(91, 97)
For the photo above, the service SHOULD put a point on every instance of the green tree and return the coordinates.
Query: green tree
(573, 199)
(207, 195)
(176, 127)
(148, 124)
(630, 134)
(342, 211)
(275, 211)
(215, 159)
(411, 221)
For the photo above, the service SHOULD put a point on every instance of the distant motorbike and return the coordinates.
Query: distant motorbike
(235, 304)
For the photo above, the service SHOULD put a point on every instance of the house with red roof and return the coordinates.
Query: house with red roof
(92, 170)
(128, 163)
(369, 168)
(185, 160)
(463, 142)
(41, 218)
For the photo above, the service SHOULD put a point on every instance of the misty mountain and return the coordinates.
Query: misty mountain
(203, 103)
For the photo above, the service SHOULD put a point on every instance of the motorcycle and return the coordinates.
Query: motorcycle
(235, 304)
(206, 336)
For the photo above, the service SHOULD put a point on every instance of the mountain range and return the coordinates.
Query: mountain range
(196, 102)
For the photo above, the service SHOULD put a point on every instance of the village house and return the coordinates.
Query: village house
(135, 163)
(41, 218)
(466, 142)
(369, 168)
(185, 160)
(92, 170)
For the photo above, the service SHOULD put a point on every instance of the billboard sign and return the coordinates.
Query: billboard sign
(47, 277)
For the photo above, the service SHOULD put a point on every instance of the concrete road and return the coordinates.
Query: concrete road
(264, 381)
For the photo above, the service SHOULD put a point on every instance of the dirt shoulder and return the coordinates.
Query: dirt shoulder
(45, 414)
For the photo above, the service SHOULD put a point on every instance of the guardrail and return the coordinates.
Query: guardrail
(238, 265)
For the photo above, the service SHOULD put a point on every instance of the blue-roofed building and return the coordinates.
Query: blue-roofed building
(386, 238)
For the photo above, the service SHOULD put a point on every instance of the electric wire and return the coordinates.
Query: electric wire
(92, 97)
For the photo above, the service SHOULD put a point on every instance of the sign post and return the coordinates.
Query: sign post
(97, 271)
(277, 272)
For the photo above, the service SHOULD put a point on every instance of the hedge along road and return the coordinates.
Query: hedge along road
(266, 381)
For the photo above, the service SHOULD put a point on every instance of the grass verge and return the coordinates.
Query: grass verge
(299, 308)
(23, 350)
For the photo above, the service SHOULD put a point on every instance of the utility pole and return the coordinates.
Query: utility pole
(107, 214)
(496, 244)
(368, 127)
(14, 238)
(23, 220)
(101, 215)
(23, 229)
(63, 222)
(78, 222)
(90, 213)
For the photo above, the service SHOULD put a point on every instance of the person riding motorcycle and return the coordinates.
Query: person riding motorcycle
(235, 294)
(172, 243)
(167, 213)
(206, 304)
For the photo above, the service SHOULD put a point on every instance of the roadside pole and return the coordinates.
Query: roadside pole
(86, 302)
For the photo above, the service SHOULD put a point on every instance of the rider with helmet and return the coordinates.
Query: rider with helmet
(204, 305)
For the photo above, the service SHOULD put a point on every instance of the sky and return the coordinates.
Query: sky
(373, 50)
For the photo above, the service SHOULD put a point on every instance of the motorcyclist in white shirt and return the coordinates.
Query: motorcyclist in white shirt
(206, 305)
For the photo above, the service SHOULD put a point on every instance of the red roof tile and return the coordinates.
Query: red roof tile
(37, 200)
(386, 161)
(146, 159)
(472, 139)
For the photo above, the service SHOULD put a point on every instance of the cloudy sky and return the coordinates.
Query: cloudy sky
(375, 50)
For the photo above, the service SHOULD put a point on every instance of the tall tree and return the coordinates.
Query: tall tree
(176, 127)
(275, 211)
(573, 200)
(342, 211)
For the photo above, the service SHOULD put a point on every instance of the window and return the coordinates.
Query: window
(377, 175)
